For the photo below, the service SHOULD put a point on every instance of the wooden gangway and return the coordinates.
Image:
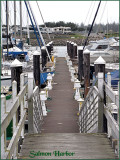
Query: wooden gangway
(83, 146)
(91, 134)
(62, 116)
(60, 130)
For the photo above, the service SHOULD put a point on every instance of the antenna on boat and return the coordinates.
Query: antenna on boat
(92, 24)
(43, 20)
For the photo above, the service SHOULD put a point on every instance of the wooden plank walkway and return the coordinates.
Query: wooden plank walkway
(60, 137)
(62, 117)
(83, 146)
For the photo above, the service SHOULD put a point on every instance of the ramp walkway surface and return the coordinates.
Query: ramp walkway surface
(62, 109)
(60, 137)
(67, 146)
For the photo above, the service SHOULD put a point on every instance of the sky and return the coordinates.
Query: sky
(69, 11)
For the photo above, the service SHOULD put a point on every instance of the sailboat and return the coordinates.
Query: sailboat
(11, 53)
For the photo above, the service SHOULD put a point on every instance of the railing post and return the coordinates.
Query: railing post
(109, 79)
(3, 146)
(22, 100)
(3, 105)
(3, 137)
(43, 98)
(100, 103)
(14, 94)
(118, 116)
(119, 102)
(30, 103)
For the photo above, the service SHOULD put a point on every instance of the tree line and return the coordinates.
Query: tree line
(76, 27)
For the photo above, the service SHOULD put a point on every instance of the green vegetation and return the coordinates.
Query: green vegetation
(81, 27)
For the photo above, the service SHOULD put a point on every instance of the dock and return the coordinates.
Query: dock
(62, 108)
(63, 124)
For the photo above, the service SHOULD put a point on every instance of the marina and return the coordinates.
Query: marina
(59, 102)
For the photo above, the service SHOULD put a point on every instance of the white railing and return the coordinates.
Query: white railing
(88, 119)
(97, 105)
(111, 108)
(9, 110)
(37, 111)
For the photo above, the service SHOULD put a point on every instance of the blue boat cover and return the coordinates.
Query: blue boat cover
(114, 77)
(43, 77)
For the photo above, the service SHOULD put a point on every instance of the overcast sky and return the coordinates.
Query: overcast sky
(71, 11)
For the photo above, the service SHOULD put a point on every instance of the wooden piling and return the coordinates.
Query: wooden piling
(71, 48)
(36, 67)
(67, 46)
(86, 66)
(49, 49)
(44, 56)
(99, 66)
(75, 51)
(80, 63)
(16, 70)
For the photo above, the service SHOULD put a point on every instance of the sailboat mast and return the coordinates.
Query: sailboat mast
(21, 20)
(1, 26)
(28, 32)
(7, 22)
(15, 21)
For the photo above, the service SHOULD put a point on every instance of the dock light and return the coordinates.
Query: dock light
(46, 90)
(77, 86)
(49, 78)
(43, 98)
(70, 65)
(72, 74)
(80, 101)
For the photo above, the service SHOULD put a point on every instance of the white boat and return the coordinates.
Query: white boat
(107, 48)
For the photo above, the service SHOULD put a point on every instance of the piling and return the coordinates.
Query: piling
(44, 56)
(68, 47)
(51, 45)
(75, 51)
(71, 48)
(99, 66)
(86, 61)
(36, 67)
(80, 63)
(16, 70)
(49, 49)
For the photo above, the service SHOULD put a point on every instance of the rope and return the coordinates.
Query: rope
(43, 21)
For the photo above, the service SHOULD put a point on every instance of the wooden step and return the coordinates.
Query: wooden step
(66, 146)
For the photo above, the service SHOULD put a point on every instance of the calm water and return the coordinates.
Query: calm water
(60, 50)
